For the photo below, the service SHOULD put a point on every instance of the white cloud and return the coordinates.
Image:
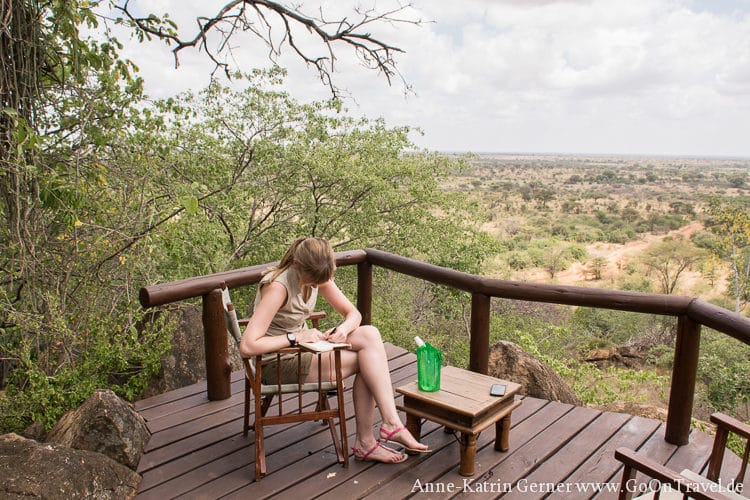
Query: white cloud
(603, 76)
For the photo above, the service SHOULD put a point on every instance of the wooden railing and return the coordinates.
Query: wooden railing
(691, 314)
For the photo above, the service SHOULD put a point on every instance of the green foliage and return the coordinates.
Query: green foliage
(258, 168)
(595, 386)
(738, 179)
(592, 328)
(406, 307)
(723, 367)
(730, 225)
(71, 263)
(115, 354)
(553, 346)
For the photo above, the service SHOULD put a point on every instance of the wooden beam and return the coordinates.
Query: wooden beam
(364, 291)
(684, 372)
(480, 333)
(198, 286)
(215, 336)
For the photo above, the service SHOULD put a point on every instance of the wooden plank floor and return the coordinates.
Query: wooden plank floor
(557, 450)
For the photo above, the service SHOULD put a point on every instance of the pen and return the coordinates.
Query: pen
(334, 330)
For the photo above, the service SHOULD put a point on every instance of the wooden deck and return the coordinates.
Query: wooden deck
(197, 451)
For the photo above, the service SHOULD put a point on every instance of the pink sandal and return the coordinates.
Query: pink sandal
(387, 436)
(365, 457)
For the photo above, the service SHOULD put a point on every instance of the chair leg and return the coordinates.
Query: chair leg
(339, 444)
(260, 453)
(246, 419)
(323, 405)
(265, 405)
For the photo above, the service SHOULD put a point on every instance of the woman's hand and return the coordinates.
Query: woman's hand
(312, 335)
(336, 335)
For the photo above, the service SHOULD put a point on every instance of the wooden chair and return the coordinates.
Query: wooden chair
(264, 393)
(687, 483)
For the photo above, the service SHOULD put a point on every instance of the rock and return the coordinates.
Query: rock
(105, 424)
(622, 356)
(510, 362)
(186, 363)
(601, 354)
(639, 409)
(35, 431)
(29, 469)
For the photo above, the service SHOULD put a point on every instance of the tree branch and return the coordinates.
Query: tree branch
(235, 16)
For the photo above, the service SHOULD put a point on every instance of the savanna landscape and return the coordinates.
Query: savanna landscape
(629, 223)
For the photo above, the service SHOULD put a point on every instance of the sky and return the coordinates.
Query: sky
(635, 77)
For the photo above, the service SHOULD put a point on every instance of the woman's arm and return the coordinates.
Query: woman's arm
(352, 317)
(254, 340)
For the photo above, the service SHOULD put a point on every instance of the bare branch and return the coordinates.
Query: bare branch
(235, 17)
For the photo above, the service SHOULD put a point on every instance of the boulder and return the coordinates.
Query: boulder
(35, 431)
(105, 424)
(601, 354)
(186, 363)
(622, 356)
(510, 362)
(29, 469)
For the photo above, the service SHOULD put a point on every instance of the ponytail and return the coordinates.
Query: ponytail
(314, 256)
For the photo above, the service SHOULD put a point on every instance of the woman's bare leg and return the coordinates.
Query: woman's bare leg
(372, 385)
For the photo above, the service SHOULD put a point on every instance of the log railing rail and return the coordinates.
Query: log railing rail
(691, 314)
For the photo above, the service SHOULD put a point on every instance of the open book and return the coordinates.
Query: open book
(322, 345)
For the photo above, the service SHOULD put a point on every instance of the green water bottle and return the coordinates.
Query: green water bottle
(429, 361)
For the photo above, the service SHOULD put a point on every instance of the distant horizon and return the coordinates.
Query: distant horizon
(616, 155)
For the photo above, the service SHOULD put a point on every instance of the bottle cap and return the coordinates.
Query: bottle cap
(419, 341)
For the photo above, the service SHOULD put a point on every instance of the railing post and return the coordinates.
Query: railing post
(364, 291)
(215, 336)
(480, 333)
(684, 374)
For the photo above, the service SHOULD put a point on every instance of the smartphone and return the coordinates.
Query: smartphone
(497, 390)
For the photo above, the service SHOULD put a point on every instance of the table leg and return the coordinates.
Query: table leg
(414, 425)
(468, 454)
(502, 434)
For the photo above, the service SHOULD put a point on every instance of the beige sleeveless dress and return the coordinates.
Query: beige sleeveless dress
(289, 318)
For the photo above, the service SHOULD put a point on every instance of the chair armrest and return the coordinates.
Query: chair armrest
(724, 425)
(633, 461)
(287, 350)
(732, 424)
(317, 315)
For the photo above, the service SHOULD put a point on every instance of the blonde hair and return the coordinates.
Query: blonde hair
(314, 257)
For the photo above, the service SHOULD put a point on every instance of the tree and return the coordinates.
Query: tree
(260, 168)
(669, 259)
(555, 260)
(730, 224)
(737, 179)
(597, 266)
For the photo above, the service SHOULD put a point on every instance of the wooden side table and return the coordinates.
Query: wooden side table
(463, 404)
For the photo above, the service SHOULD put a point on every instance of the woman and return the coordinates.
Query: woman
(286, 296)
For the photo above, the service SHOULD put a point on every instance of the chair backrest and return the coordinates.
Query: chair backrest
(233, 325)
(230, 316)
